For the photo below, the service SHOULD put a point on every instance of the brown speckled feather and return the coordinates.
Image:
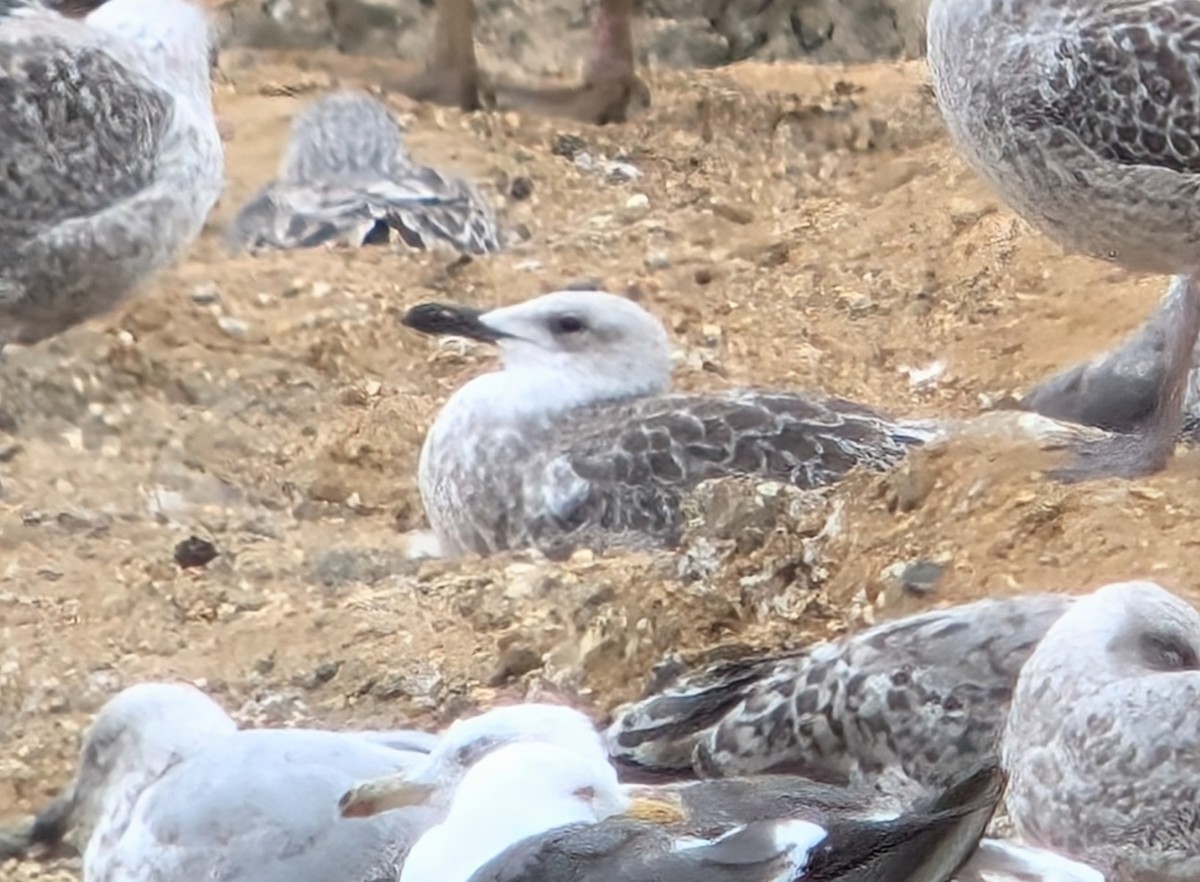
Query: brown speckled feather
(927, 695)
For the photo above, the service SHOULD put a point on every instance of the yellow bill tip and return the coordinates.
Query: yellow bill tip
(655, 810)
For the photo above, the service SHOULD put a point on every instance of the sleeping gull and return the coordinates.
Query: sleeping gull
(346, 174)
(573, 822)
(577, 441)
(925, 696)
(1085, 117)
(431, 781)
(169, 790)
(111, 159)
(1103, 742)
(708, 807)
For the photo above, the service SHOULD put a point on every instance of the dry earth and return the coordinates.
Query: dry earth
(796, 226)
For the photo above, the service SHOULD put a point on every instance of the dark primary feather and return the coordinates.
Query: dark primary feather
(1127, 84)
(927, 694)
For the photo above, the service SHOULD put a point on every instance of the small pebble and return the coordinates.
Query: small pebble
(206, 294)
(233, 327)
(658, 261)
(568, 146)
(921, 577)
(194, 552)
(521, 189)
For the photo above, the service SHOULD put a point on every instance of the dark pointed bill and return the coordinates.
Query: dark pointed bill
(443, 320)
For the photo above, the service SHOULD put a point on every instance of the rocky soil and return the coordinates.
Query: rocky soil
(797, 226)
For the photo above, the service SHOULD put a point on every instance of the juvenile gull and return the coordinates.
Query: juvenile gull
(925, 695)
(346, 175)
(573, 822)
(577, 440)
(1103, 742)
(1085, 117)
(111, 157)
(169, 790)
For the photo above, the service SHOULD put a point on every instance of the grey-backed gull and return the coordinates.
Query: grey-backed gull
(1085, 117)
(169, 790)
(541, 812)
(346, 175)
(706, 808)
(111, 159)
(925, 696)
(1103, 742)
(577, 440)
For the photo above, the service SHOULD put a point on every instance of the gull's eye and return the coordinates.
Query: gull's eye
(567, 324)
(1165, 653)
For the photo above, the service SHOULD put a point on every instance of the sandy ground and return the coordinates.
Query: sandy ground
(796, 227)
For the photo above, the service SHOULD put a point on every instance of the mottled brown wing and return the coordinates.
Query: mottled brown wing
(78, 133)
(1129, 84)
(633, 479)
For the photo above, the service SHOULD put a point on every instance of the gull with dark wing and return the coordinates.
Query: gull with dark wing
(1085, 117)
(698, 809)
(346, 176)
(925, 696)
(170, 790)
(573, 822)
(111, 160)
(1103, 743)
(578, 440)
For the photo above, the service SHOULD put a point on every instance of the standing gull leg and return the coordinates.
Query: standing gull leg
(610, 83)
(451, 74)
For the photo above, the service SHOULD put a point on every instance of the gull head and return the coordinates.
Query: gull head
(569, 347)
(1126, 629)
(515, 792)
(1140, 626)
(174, 40)
(465, 743)
(136, 737)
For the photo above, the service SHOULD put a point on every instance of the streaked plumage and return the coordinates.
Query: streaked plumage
(111, 158)
(1085, 117)
(346, 176)
(924, 696)
(578, 442)
(1103, 742)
